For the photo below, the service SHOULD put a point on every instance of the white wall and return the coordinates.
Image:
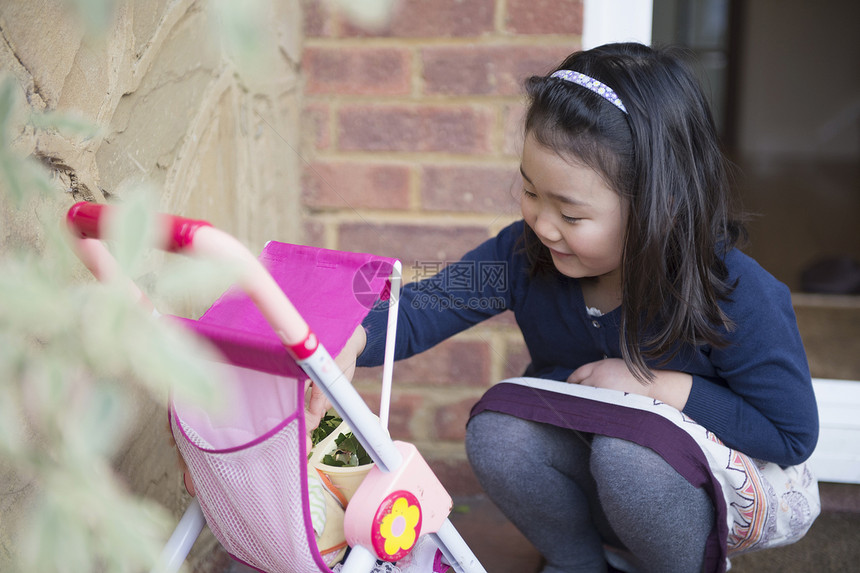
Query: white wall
(616, 21)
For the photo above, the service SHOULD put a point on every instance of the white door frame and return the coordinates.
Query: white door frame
(616, 21)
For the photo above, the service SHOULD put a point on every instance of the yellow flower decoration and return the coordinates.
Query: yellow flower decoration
(398, 528)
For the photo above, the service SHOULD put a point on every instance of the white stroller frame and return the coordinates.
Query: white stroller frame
(198, 238)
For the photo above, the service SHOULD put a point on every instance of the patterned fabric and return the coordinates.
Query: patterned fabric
(316, 501)
(590, 83)
(757, 504)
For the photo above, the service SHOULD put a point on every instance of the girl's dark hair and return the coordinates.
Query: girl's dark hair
(664, 158)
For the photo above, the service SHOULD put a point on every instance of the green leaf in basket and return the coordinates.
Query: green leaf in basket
(349, 453)
(327, 425)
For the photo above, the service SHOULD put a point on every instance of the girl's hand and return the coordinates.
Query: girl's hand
(316, 404)
(669, 386)
(611, 373)
(351, 350)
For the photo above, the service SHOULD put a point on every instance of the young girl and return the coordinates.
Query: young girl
(623, 274)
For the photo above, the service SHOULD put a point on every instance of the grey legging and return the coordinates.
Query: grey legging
(569, 493)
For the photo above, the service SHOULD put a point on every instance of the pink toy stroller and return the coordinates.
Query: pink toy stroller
(250, 467)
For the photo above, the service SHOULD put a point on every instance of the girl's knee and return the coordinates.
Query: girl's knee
(482, 433)
(614, 458)
(494, 452)
(627, 473)
(500, 438)
(501, 443)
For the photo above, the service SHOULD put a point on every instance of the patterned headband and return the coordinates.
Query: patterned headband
(597, 87)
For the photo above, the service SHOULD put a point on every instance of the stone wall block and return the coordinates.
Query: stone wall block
(46, 57)
(414, 244)
(485, 70)
(457, 363)
(442, 18)
(357, 71)
(315, 125)
(410, 19)
(515, 359)
(405, 408)
(513, 119)
(470, 188)
(356, 185)
(449, 422)
(151, 123)
(544, 17)
(407, 128)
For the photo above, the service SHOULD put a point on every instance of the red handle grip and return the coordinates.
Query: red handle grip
(85, 219)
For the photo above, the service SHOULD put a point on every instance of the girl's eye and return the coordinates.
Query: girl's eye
(529, 194)
(567, 219)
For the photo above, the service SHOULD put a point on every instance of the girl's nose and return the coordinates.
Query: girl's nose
(546, 229)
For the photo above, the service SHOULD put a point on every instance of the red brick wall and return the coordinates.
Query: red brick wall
(411, 149)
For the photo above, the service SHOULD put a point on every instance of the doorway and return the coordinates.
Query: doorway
(784, 82)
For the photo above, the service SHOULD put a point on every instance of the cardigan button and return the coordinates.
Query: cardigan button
(595, 324)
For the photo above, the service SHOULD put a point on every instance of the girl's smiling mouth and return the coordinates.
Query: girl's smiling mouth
(559, 253)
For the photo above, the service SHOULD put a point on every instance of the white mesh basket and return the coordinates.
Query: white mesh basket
(249, 469)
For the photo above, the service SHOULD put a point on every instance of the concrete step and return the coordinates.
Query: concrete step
(829, 546)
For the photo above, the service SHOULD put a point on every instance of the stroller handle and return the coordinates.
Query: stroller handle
(196, 238)
(85, 220)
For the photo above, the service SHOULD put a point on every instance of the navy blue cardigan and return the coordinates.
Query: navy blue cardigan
(755, 394)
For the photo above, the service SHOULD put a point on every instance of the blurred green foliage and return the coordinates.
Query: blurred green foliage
(75, 355)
